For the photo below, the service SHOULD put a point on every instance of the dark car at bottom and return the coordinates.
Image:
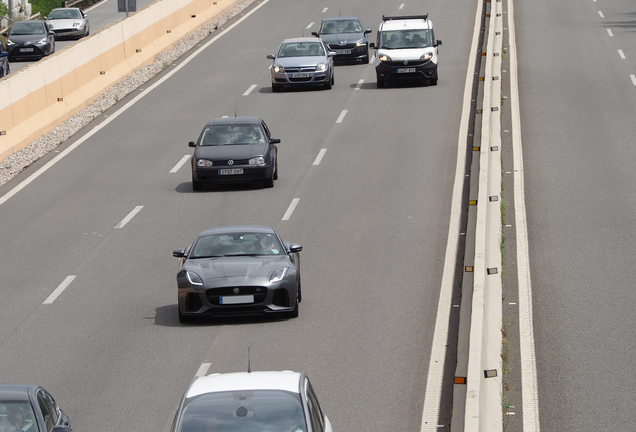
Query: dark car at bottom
(234, 150)
(238, 270)
(30, 408)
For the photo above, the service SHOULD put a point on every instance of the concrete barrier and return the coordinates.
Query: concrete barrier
(41, 96)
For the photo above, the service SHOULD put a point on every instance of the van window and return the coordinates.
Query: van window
(401, 39)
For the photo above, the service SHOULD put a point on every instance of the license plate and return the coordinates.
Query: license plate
(231, 171)
(406, 70)
(26, 49)
(64, 34)
(236, 299)
(300, 75)
(343, 51)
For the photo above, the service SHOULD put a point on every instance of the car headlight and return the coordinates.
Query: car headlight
(10, 42)
(279, 68)
(278, 275)
(384, 58)
(361, 42)
(204, 163)
(427, 56)
(321, 67)
(259, 160)
(42, 41)
(194, 278)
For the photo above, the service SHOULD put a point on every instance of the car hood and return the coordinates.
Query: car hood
(26, 39)
(63, 23)
(341, 38)
(300, 61)
(248, 267)
(234, 151)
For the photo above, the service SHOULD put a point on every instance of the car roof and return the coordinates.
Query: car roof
(237, 228)
(238, 381)
(345, 18)
(301, 39)
(234, 121)
(407, 24)
(66, 8)
(14, 392)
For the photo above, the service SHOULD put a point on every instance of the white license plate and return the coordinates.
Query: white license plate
(231, 171)
(343, 51)
(26, 49)
(406, 70)
(300, 75)
(236, 299)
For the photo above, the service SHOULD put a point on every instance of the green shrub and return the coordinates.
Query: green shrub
(44, 6)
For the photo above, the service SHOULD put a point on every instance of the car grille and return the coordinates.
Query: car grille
(234, 162)
(334, 47)
(259, 293)
(411, 63)
(300, 69)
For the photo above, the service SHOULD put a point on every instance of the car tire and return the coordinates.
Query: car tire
(365, 60)
(294, 313)
(300, 292)
(197, 186)
(275, 89)
(275, 175)
(328, 85)
(380, 83)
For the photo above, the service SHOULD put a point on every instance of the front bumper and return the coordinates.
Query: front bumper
(69, 33)
(395, 70)
(312, 78)
(250, 173)
(355, 53)
(26, 52)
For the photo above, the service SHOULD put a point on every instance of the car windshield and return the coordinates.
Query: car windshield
(17, 416)
(236, 244)
(27, 28)
(245, 411)
(229, 135)
(65, 14)
(341, 26)
(400, 39)
(301, 49)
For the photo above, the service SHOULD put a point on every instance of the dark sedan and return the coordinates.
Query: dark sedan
(238, 270)
(30, 408)
(29, 39)
(345, 36)
(234, 149)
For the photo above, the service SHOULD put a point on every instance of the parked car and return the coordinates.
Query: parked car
(234, 149)
(4, 61)
(68, 23)
(29, 39)
(238, 270)
(30, 408)
(345, 36)
(251, 401)
(302, 62)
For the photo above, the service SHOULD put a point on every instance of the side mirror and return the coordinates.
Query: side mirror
(367, 31)
(314, 34)
(192, 144)
(271, 56)
(438, 42)
(331, 54)
(5, 34)
(178, 253)
(295, 247)
(372, 45)
(274, 140)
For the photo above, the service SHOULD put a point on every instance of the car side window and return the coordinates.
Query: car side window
(50, 402)
(46, 412)
(315, 413)
(266, 129)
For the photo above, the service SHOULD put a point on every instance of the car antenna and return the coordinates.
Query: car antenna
(234, 107)
(249, 363)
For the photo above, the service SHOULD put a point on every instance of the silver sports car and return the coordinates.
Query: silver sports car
(68, 23)
(302, 62)
(238, 270)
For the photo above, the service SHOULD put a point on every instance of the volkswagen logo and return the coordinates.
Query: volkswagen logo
(230, 162)
(406, 62)
(236, 290)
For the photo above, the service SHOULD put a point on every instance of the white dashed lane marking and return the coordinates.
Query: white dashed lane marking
(609, 32)
(319, 157)
(325, 10)
(601, 14)
(180, 164)
(359, 84)
(633, 79)
(249, 90)
(620, 53)
(129, 217)
(291, 208)
(310, 25)
(342, 116)
(203, 369)
(55, 294)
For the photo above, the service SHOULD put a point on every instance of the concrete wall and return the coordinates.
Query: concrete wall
(41, 96)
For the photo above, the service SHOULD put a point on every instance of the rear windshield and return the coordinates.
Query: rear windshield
(228, 135)
(245, 411)
(399, 39)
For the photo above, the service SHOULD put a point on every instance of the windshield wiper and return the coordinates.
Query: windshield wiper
(206, 256)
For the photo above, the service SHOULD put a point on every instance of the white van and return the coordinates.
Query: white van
(406, 48)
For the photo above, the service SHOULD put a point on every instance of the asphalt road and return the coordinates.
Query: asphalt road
(372, 217)
(577, 67)
(99, 16)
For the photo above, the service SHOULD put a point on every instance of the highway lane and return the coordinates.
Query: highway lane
(99, 15)
(577, 114)
(372, 215)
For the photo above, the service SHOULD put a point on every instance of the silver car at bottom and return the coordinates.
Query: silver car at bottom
(302, 62)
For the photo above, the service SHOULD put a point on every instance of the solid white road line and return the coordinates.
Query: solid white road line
(129, 217)
(203, 369)
(359, 84)
(55, 294)
(123, 109)
(529, 385)
(609, 32)
(319, 157)
(342, 116)
(310, 25)
(180, 164)
(435, 377)
(249, 90)
(291, 208)
(620, 53)
(601, 14)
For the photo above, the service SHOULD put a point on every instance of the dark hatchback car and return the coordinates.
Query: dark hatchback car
(238, 270)
(345, 36)
(29, 39)
(5, 69)
(30, 408)
(234, 149)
